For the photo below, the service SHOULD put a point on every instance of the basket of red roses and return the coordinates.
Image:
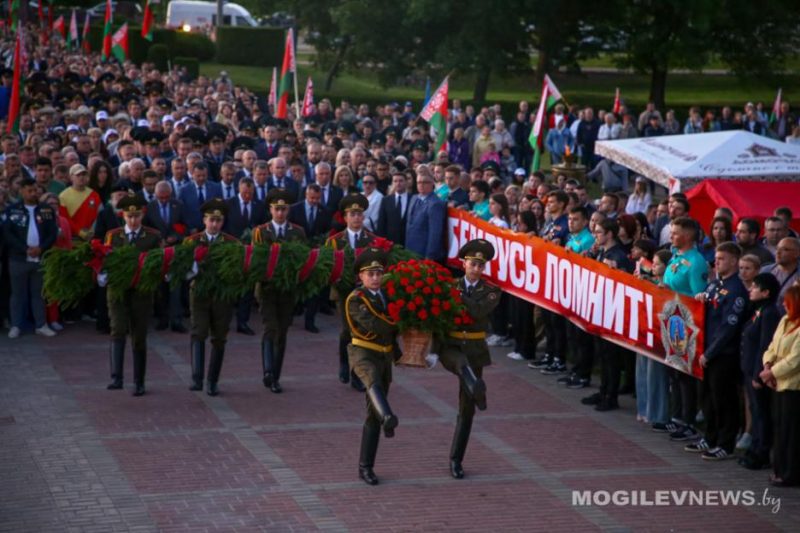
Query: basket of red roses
(425, 303)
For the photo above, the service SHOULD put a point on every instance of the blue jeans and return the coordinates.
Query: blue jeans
(657, 392)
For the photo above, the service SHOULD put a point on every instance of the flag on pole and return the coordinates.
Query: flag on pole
(105, 52)
(147, 22)
(12, 125)
(119, 43)
(435, 114)
(13, 14)
(550, 96)
(272, 99)
(617, 103)
(49, 17)
(61, 27)
(40, 9)
(427, 91)
(288, 69)
(72, 37)
(776, 108)
(308, 99)
(87, 48)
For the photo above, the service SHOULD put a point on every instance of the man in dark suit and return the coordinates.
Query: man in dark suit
(313, 156)
(196, 193)
(244, 213)
(229, 183)
(316, 222)
(456, 196)
(425, 219)
(216, 153)
(331, 195)
(267, 148)
(167, 216)
(279, 179)
(394, 209)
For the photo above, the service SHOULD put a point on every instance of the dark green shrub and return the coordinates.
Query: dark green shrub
(158, 54)
(262, 47)
(191, 63)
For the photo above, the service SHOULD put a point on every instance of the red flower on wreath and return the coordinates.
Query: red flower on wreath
(426, 290)
(436, 311)
(403, 281)
(422, 314)
(382, 243)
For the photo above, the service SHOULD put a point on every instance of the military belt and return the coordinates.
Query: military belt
(372, 346)
(467, 335)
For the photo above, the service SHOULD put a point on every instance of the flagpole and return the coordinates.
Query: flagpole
(296, 72)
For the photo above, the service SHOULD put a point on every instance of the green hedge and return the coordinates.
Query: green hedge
(261, 47)
(191, 63)
(179, 44)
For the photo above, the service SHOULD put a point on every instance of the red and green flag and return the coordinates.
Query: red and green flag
(435, 114)
(85, 36)
(61, 27)
(12, 126)
(13, 14)
(288, 71)
(272, 98)
(550, 96)
(147, 23)
(617, 103)
(72, 36)
(119, 43)
(105, 53)
(776, 108)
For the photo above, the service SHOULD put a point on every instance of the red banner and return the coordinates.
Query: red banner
(634, 313)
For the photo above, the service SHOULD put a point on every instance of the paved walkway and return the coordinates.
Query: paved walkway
(75, 457)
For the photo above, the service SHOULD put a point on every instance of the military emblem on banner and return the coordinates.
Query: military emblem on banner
(679, 335)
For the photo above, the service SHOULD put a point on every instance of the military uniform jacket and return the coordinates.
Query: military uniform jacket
(479, 304)
(265, 233)
(341, 240)
(368, 321)
(726, 302)
(147, 238)
(16, 221)
(202, 239)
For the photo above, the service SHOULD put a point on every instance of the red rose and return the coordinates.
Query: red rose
(426, 290)
(419, 284)
(400, 302)
(409, 289)
(446, 306)
(418, 300)
(429, 280)
(437, 290)
(411, 306)
(403, 281)
(436, 302)
(423, 314)
(454, 293)
(435, 311)
(457, 321)
(416, 274)
(390, 291)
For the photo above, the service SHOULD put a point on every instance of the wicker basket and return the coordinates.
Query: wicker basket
(416, 345)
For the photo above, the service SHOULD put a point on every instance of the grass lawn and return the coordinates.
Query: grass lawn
(683, 90)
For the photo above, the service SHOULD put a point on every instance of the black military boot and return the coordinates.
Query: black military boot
(267, 361)
(280, 350)
(198, 363)
(384, 413)
(214, 368)
(344, 365)
(369, 448)
(139, 369)
(117, 363)
(475, 386)
(459, 446)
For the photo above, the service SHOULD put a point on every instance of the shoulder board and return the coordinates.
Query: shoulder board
(370, 234)
(193, 237)
(151, 231)
(229, 237)
(114, 231)
(295, 226)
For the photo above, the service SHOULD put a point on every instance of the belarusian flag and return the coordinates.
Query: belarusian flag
(13, 14)
(288, 70)
(61, 27)
(85, 36)
(776, 108)
(617, 103)
(435, 114)
(40, 8)
(272, 100)
(147, 23)
(308, 99)
(119, 43)
(550, 96)
(105, 52)
(12, 125)
(72, 37)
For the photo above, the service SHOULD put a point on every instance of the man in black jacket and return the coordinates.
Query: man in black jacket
(31, 229)
(394, 210)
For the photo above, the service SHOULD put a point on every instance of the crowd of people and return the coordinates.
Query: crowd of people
(92, 134)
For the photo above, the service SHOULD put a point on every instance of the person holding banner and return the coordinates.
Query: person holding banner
(465, 352)
(371, 350)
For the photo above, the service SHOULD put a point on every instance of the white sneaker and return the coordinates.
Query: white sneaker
(55, 326)
(431, 359)
(493, 340)
(506, 341)
(744, 441)
(516, 356)
(13, 333)
(45, 331)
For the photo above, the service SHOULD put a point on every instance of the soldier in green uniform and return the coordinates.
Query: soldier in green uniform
(129, 312)
(277, 307)
(372, 349)
(208, 313)
(465, 352)
(353, 236)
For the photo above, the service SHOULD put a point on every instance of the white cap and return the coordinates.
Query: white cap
(167, 118)
(143, 123)
(109, 132)
(101, 115)
(73, 127)
(520, 172)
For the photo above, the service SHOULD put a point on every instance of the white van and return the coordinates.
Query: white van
(193, 14)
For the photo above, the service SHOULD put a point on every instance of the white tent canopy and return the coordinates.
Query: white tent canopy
(679, 162)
